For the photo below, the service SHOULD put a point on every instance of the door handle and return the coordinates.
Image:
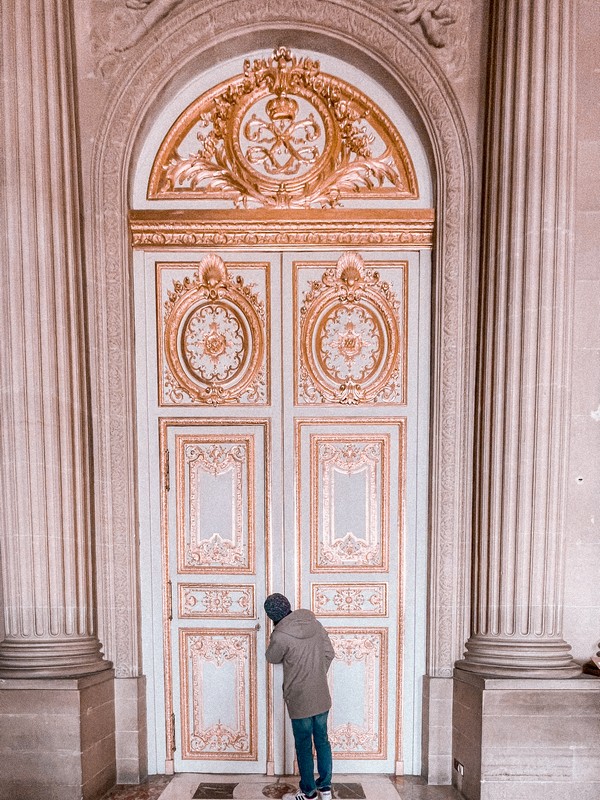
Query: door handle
(257, 626)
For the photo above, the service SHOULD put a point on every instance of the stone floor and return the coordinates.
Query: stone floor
(257, 787)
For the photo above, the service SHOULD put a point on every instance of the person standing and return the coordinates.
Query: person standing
(302, 645)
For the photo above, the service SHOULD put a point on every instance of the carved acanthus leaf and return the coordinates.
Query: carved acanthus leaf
(285, 135)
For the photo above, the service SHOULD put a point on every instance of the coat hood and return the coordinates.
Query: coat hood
(301, 624)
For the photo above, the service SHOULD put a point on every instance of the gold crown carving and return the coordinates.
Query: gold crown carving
(252, 149)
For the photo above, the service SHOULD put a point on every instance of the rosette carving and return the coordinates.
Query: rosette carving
(283, 134)
(214, 336)
(350, 347)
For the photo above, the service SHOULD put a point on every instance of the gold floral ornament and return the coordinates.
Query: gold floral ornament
(283, 135)
(213, 335)
(350, 348)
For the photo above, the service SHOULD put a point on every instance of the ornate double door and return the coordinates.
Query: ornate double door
(286, 391)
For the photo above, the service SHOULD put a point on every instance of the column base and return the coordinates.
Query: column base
(525, 739)
(513, 657)
(43, 658)
(57, 738)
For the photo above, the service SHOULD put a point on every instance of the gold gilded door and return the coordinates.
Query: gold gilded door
(347, 417)
(280, 385)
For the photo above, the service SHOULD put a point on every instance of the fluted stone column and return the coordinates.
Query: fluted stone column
(45, 521)
(524, 347)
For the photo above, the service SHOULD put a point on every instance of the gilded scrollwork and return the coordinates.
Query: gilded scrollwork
(351, 739)
(215, 471)
(215, 601)
(350, 337)
(349, 600)
(364, 461)
(284, 135)
(214, 339)
(233, 735)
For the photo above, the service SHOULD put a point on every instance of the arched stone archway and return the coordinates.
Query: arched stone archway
(392, 55)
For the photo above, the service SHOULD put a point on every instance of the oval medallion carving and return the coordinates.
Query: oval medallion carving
(213, 329)
(349, 335)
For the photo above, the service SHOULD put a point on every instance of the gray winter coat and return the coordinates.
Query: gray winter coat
(302, 644)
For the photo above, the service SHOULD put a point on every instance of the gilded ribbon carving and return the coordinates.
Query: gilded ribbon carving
(284, 135)
(214, 339)
(350, 337)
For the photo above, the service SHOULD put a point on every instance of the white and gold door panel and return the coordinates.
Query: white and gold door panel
(284, 407)
(349, 423)
(216, 550)
(349, 483)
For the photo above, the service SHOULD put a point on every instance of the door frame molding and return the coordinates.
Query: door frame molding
(188, 42)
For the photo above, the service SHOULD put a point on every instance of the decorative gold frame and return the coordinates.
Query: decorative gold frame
(180, 442)
(382, 705)
(317, 159)
(341, 587)
(164, 424)
(212, 286)
(250, 635)
(249, 613)
(382, 439)
(354, 283)
(265, 229)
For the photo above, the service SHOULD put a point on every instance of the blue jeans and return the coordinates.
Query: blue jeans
(305, 731)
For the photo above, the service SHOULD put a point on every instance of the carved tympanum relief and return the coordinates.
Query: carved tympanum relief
(284, 135)
(351, 334)
(214, 724)
(212, 333)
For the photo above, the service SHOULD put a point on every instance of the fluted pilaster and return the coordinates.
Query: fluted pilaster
(524, 346)
(45, 525)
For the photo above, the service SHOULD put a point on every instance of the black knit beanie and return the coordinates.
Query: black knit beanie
(277, 606)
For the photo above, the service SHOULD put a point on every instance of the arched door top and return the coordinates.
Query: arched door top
(283, 134)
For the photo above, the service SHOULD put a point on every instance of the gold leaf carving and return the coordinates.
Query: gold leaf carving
(214, 336)
(350, 345)
(284, 135)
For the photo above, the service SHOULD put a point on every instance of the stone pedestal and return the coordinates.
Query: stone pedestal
(526, 739)
(131, 729)
(57, 738)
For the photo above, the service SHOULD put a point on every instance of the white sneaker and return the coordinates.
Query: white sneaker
(326, 795)
(299, 796)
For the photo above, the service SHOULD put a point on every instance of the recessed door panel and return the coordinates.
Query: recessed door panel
(216, 483)
(350, 499)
